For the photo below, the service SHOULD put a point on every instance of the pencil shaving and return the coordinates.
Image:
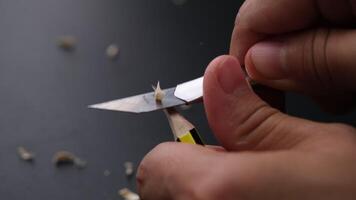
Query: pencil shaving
(112, 51)
(25, 154)
(66, 157)
(107, 173)
(128, 194)
(67, 42)
(159, 94)
(79, 163)
(129, 168)
(63, 157)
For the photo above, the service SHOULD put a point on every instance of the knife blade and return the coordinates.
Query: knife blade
(184, 93)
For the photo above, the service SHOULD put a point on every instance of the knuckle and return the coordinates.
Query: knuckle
(261, 122)
(318, 60)
(307, 58)
(245, 17)
(241, 12)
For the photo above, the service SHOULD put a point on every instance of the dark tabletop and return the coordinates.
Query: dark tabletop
(44, 90)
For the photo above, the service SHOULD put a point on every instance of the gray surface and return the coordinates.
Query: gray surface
(44, 91)
(304, 107)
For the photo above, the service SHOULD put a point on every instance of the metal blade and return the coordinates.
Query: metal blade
(190, 91)
(141, 103)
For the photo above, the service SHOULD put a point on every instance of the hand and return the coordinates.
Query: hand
(305, 46)
(269, 155)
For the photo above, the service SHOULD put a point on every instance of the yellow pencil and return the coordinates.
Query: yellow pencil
(182, 129)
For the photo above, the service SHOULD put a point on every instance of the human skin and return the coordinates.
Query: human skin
(304, 46)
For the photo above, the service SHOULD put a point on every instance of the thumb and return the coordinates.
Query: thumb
(239, 118)
(315, 61)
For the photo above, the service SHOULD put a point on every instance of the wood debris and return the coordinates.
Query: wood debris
(159, 94)
(67, 42)
(112, 51)
(129, 168)
(107, 173)
(25, 154)
(67, 158)
(127, 194)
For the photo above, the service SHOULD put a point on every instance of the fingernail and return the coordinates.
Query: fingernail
(229, 74)
(267, 58)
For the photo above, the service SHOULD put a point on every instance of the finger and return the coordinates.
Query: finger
(317, 61)
(239, 118)
(285, 175)
(172, 171)
(259, 20)
(265, 175)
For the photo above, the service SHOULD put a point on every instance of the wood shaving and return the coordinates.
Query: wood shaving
(25, 154)
(107, 173)
(159, 94)
(79, 163)
(128, 194)
(112, 51)
(66, 157)
(129, 168)
(67, 42)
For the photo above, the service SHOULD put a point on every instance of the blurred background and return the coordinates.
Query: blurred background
(45, 90)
